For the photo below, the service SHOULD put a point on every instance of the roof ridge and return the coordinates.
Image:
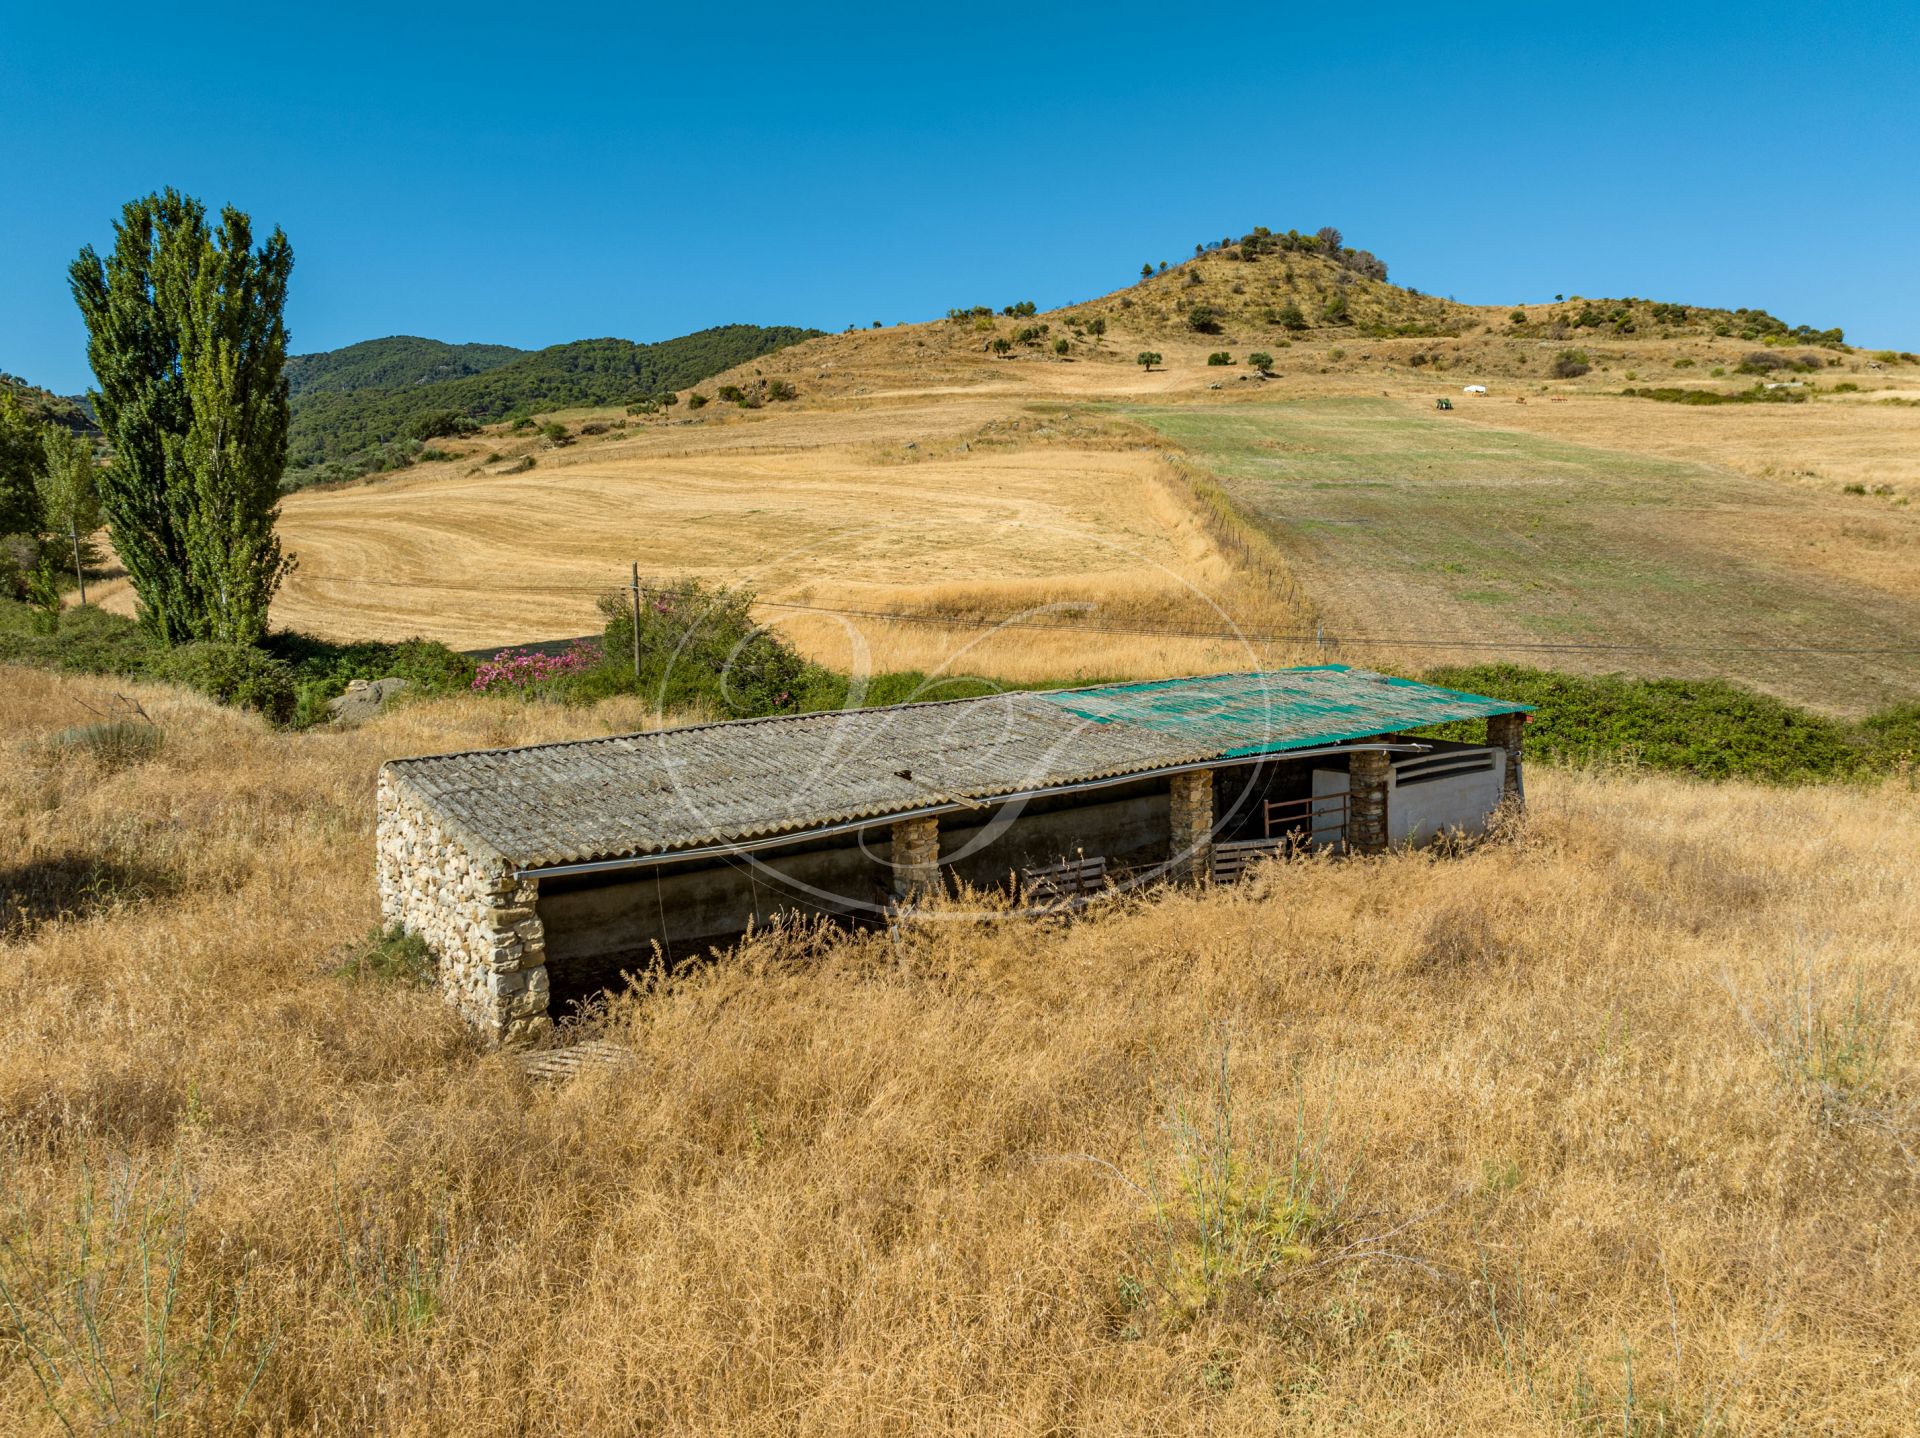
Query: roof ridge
(874, 709)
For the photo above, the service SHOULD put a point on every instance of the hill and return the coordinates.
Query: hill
(397, 362)
(1276, 288)
(45, 406)
(339, 433)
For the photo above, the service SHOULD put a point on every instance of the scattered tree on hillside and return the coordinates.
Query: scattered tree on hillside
(1001, 345)
(1097, 325)
(1147, 359)
(1146, 270)
(186, 336)
(1060, 346)
(69, 489)
(1204, 318)
(1291, 317)
(1570, 364)
(1261, 361)
(1331, 240)
(21, 460)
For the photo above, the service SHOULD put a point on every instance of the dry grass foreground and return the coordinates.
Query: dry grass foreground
(1608, 1129)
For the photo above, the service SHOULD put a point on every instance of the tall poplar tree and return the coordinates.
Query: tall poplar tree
(187, 342)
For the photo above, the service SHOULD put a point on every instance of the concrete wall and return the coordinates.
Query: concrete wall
(1127, 825)
(595, 927)
(1431, 794)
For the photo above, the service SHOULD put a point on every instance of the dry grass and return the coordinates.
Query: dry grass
(1609, 1129)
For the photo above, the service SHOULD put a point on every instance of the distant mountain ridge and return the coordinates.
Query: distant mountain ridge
(392, 363)
(340, 430)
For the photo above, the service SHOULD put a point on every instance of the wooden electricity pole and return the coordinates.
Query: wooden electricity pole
(636, 622)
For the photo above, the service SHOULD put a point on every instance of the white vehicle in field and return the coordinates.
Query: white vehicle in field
(1474, 389)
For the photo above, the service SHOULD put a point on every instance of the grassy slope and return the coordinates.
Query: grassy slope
(1412, 525)
(892, 1186)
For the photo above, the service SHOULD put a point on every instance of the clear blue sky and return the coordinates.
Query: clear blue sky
(530, 175)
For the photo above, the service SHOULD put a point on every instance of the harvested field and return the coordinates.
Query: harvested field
(1420, 526)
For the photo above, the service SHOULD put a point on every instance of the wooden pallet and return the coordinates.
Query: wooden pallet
(573, 1060)
(1065, 883)
(1232, 859)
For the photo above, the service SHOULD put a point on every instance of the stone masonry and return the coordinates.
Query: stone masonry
(1190, 815)
(1508, 731)
(916, 860)
(1368, 774)
(462, 899)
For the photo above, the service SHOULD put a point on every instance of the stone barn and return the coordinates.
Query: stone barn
(539, 875)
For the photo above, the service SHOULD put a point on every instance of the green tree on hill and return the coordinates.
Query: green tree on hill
(187, 342)
(69, 490)
(1147, 359)
(21, 461)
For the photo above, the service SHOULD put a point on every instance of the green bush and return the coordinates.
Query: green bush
(779, 389)
(696, 400)
(391, 956)
(555, 433)
(700, 646)
(1060, 346)
(731, 393)
(1570, 364)
(234, 674)
(85, 640)
(1204, 319)
(1261, 361)
(1219, 357)
(438, 424)
(1708, 727)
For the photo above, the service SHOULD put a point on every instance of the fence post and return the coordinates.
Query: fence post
(636, 622)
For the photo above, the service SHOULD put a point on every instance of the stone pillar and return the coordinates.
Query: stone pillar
(1507, 731)
(1368, 774)
(1190, 816)
(916, 861)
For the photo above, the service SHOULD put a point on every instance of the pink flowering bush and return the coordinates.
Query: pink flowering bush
(528, 670)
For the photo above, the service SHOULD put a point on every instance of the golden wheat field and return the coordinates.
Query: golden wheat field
(1611, 1125)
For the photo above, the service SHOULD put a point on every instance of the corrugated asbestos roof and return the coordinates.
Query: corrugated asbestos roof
(670, 789)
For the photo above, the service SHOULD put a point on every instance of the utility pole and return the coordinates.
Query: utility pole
(78, 574)
(636, 621)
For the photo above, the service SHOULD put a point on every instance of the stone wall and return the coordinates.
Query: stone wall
(1190, 822)
(475, 916)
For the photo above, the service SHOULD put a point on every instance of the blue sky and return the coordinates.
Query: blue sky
(528, 177)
